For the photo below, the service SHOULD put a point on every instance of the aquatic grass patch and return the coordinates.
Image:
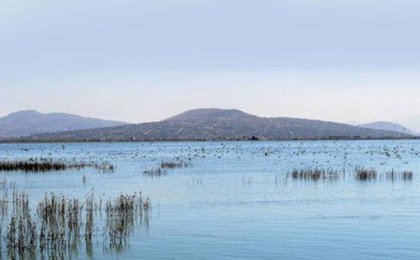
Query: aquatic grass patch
(359, 174)
(165, 166)
(62, 225)
(405, 175)
(121, 215)
(47, 165)
(314, 174)
(173, 165)
(155, 172)
(363, 174)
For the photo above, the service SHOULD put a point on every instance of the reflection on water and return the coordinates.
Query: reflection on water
(247, 200)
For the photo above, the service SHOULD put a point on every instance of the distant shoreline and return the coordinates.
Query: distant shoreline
(23, 141)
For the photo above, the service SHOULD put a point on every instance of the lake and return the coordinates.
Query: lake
(236, 200)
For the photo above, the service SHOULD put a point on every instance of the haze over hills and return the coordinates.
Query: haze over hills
(412, 123)
(30, 122)
(388, 126)
(221, 124)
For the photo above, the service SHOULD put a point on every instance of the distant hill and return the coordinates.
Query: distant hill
(206, 114)
(30, 122)
(412, 123)
(222, 124)
(388, 126)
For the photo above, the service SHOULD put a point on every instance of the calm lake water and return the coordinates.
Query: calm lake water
(235, 201)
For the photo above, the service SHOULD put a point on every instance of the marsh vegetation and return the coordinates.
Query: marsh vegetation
(163, 167)
(47, 165)
(60, 225)
(359, 173)
(314, 174)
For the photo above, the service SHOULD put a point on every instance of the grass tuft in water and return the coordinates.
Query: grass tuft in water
(363, 174)
(47, 165)
(61, 225)
(163, 168)
(314, 174)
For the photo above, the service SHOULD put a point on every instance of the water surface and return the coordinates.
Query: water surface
(235, 201)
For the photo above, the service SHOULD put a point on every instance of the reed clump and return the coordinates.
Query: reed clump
(363, 174)
(314, 174)
(47, 165)
(405, 175)
(360, 174)
(60, 222)
(122, 214)
(21, 236)
(173, 165)
(163, 167)
(61, 225)
(155, 172)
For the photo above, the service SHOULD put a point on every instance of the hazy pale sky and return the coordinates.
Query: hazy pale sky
(142, 60)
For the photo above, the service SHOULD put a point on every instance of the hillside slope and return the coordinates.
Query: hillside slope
(221, 124)
(30, 122)
(388, 126)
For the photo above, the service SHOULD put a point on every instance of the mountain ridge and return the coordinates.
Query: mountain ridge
(30, 122)
(210, 113)
(388, 126)
(221, 124)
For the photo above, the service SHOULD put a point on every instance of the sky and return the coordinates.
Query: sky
(141, 60)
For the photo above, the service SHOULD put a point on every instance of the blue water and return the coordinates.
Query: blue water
(235, 201)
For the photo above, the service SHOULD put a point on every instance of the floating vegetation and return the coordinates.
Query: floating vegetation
(46, 165)
(314, 174)
(61, 224)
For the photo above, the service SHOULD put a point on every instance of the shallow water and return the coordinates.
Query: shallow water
(236, 202)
